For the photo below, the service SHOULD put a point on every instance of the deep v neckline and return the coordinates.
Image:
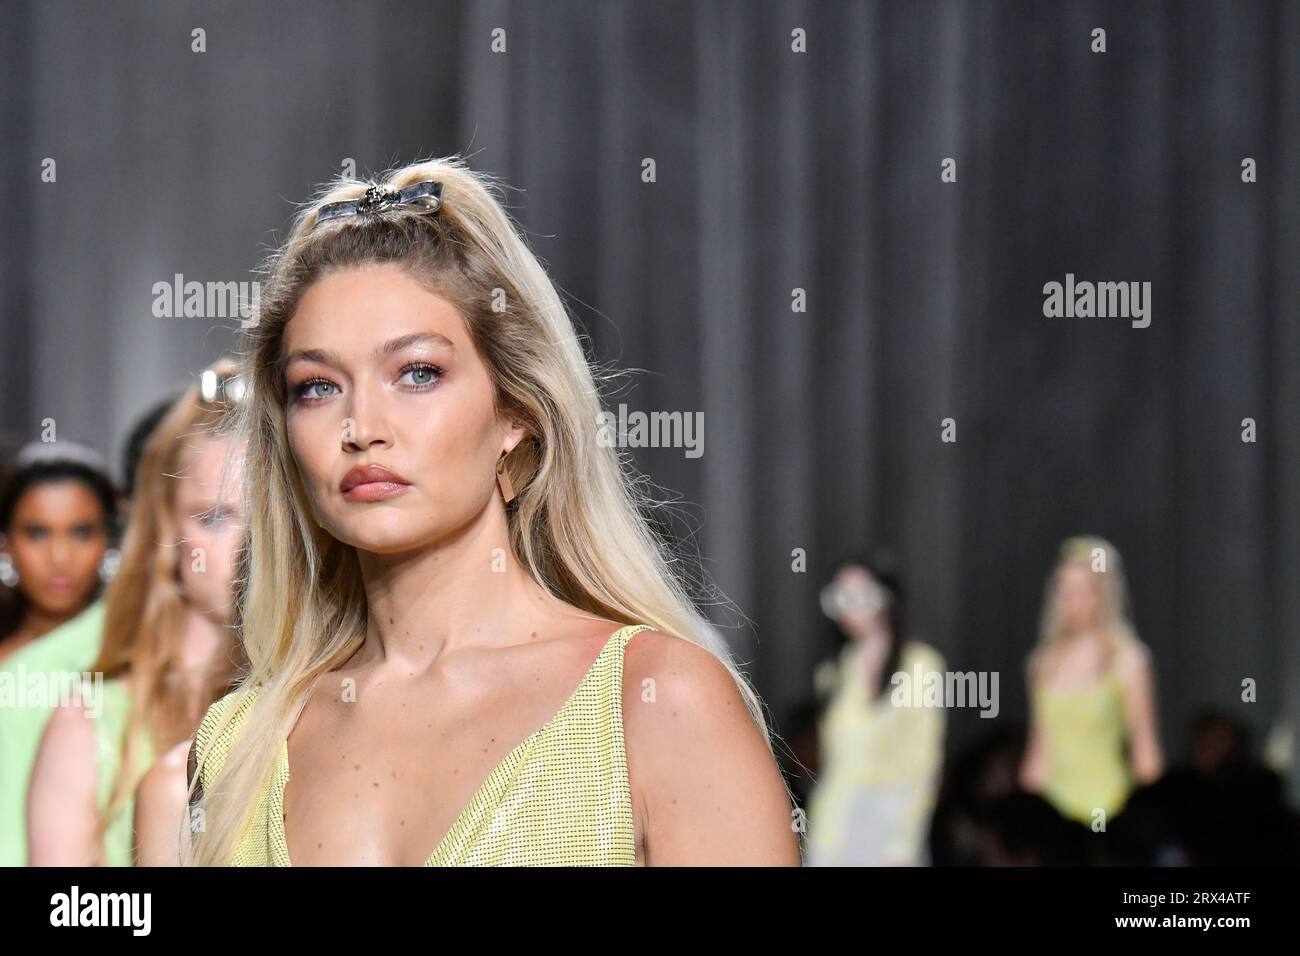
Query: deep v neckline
(277, 821)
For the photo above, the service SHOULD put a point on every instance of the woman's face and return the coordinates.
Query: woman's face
(379, 371)
(210, 516)
(860, 596)
(1078, 597)
(57, 536)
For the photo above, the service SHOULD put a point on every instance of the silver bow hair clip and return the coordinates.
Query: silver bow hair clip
(427, 194)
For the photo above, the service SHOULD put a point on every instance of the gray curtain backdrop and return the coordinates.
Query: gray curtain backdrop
(775, 171)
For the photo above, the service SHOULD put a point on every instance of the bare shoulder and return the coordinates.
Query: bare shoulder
(160, 809)
(708, 788)
(1133, 661)
(61, 798)
(689, 679)
(69, 736)
(166, 780)
(65, 770)
(1037, 665)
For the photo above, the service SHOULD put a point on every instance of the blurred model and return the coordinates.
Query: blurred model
(168, 648)
(57, 515)
(1093, 725)
(880, 753)
(57, 512)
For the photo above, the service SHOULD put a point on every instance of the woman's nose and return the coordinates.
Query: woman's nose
(366, 424)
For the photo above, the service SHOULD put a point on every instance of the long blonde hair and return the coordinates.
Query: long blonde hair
(1103, 558)
(577, 525)
(144, 607)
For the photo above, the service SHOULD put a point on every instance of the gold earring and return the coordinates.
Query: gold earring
(503, 479)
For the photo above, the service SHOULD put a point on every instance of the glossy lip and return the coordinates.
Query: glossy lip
(374, 491)
(372, 483)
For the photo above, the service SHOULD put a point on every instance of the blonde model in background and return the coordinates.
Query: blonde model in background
(1093, 733)
(168, 647)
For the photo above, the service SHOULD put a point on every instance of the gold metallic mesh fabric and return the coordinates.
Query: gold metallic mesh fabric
(560, 798)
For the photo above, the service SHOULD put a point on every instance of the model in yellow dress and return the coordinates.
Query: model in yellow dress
(1093, 734)
(560, 798)
(165, 651)
(879, 772)
(434, 509)
(880, 753)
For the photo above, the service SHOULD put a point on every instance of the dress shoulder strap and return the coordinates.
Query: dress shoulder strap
(621, 639)
(611, 682)
(631, 631)
(219, 729)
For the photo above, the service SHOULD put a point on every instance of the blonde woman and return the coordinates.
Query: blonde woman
(467, 646)
(168, 649)
(1093, 733)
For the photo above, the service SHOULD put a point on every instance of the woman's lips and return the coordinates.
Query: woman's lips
(371, 483)
(374, 490)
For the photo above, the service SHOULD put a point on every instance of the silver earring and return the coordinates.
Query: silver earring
(109, 563)
(8, 573)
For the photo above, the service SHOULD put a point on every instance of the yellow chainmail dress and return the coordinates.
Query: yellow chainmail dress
(1085, 730)
(560, 798)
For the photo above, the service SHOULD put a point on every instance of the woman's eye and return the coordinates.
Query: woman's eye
(421, 375)
(215, 516)
(314, 389)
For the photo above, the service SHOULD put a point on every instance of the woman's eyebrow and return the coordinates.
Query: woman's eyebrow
(327, 357)
(415, 338)
(323, 356)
